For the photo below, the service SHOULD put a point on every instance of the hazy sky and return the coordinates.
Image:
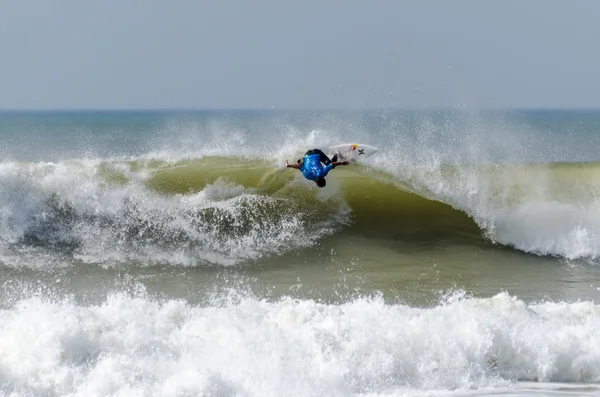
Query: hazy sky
(299, 54)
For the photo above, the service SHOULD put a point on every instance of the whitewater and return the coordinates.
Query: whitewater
(170, 253)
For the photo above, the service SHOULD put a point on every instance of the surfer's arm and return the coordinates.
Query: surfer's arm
(288, 165)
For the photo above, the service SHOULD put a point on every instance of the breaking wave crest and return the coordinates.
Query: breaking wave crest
(225, 211)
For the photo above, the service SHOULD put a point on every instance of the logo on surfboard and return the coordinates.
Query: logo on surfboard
(354, 146)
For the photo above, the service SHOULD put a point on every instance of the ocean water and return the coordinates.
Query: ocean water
(169, 253)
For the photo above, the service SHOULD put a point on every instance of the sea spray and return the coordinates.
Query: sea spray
(67, 208)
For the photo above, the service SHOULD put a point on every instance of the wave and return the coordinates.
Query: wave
(229, 210)
(111, 213)
(240, 345)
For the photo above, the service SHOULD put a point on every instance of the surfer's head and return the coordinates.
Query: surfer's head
(321, 182)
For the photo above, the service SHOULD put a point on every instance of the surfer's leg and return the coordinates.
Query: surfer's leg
(322, 156)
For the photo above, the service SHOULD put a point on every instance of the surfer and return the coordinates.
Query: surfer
(311, 166)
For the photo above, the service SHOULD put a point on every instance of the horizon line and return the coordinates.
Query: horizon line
(266, 109)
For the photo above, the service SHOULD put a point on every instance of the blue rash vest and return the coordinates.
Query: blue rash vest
(312, 168)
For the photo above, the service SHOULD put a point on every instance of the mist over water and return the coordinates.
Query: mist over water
(169, 253)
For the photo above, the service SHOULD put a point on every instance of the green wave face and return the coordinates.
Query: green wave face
(531, 207)
(384, 205)
(380, 205)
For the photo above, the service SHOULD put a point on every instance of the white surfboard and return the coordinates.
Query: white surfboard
(352, 151)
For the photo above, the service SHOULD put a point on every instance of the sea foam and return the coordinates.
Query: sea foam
(240, 345)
